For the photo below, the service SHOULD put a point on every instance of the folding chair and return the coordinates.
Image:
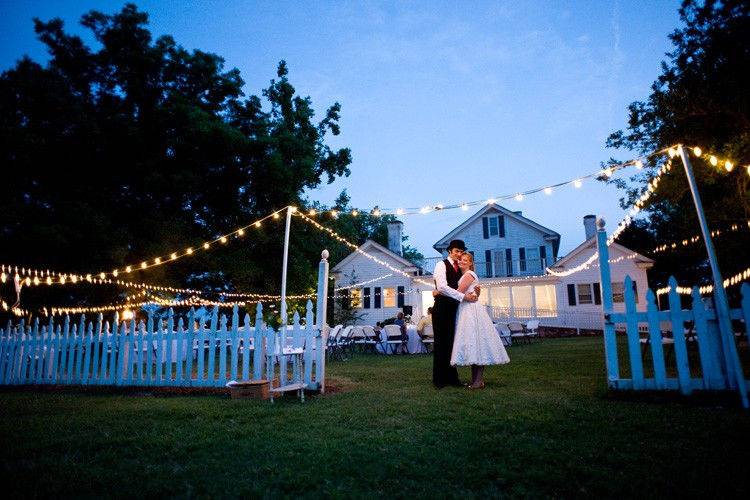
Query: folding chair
(517, 331)
(393, 337)
(428, 338)
(505, 334)
(532, 329)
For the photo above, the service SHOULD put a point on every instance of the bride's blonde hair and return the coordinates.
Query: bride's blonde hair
(471, 259)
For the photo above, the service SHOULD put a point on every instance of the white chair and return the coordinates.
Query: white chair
(370, 340)
(532, 329)
(428, 337)
(505, 334)
(332, 345)
(517, 331)
(393, 337)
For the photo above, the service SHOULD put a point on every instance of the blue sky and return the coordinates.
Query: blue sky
(442, 102)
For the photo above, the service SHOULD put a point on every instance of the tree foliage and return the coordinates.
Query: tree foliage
(141, 147)
(700, 98)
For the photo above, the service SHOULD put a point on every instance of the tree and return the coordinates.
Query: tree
(700, 99)
(141, 147)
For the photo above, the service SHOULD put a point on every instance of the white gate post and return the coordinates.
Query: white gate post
(320, 320)
(610, 339)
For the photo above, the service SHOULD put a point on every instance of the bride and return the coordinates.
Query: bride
(477, 343)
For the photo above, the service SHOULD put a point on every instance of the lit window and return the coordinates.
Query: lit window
(389, 297)
(585, 296)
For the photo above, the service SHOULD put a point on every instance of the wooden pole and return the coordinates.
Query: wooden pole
(610, 338)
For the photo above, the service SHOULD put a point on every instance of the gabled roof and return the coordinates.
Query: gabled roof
(591, 242)
(552, 235)
(370, 245)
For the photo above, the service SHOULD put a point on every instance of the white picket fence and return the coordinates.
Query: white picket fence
(719, 365)
(179, 351)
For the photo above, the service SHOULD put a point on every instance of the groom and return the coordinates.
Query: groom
(446, 276)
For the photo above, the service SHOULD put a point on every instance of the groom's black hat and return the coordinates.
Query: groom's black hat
(457, 244)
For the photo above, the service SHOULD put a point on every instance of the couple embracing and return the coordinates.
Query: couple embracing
(464, 333)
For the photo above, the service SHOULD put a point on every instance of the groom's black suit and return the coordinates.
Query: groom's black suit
(444, 328)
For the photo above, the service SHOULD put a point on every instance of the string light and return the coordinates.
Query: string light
(548, 191)
(519, 197)
(733, 280)
(696, 238)
(354, 247)
(577, 183)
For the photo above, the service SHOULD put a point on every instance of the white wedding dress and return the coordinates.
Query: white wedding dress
(476, 341)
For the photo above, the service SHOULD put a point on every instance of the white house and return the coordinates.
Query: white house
(504, 243)
(390, 292)
(519, 270)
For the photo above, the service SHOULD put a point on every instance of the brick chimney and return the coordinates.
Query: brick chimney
(394, 237)
(589, 225)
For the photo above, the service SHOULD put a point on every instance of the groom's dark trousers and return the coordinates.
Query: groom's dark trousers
(444, 328)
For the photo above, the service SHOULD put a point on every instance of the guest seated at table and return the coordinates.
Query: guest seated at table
(402, 349)
(426, 320)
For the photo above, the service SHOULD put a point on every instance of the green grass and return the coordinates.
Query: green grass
(544, 426)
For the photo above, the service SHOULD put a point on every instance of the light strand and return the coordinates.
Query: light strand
(354, 247)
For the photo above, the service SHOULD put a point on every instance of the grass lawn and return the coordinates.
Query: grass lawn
(544, 426)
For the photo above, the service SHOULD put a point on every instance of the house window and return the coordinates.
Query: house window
(493, 226)
(356, 297)
(618, 292)
(389, 297)
(533, 264)
(500, 269)
(585, 295)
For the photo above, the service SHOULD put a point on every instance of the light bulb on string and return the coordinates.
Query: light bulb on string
(312, 212)
(491, 201)
(157, 260)
(400, 211)
(697, 151)
(577, 183)
(241, 232)
(223, 239)
(465, 207)
(638, 164)
(548, 191)
(713, 160)
(728, 166)
(143, 265)
(519, 197)
(257, 224)
(355, 213)
(276, 215)
(128, 269)
(206, 246)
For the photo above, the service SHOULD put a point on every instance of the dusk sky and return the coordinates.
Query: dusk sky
(442, 102)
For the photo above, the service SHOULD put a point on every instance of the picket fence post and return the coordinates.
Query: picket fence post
(610, 338)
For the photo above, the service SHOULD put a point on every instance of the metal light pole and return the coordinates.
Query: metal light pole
(289, 211)
(720, 295)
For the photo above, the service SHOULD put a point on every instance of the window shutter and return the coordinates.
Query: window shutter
(487, 263)
(366, 295)
(571, 294)
(522, 258)
(501, 226)
(542, 256)
(597, 294)
(485, 228)
(508, 262)
(377, 298)
(400, 299)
